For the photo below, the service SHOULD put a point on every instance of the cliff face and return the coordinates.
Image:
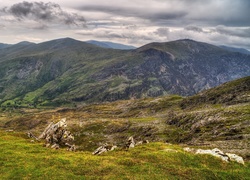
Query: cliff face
(68, 71)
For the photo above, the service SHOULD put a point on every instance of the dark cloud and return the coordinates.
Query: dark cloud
(44, 12)
(194, 28)
(162, 32)
(178, 12)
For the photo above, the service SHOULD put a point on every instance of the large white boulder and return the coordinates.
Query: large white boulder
(234, 157)
(214, 152)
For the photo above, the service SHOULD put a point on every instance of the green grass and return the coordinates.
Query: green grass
(21, 159)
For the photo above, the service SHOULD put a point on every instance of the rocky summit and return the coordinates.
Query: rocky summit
(68, 72)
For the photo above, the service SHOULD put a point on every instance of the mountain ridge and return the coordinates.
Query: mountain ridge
(67, 71)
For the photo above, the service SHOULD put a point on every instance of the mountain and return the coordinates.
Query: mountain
(2, 45)
(233, 49)
(106, 44)
(67, 71)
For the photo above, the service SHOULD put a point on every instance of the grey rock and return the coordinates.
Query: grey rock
(104, 148)
(236, 158)
(57, 135)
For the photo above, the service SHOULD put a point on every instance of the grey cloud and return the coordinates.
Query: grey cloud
(138, 12)
(178, 12)
(39, 27)
(194, 28)
(162, 32)
(45, 12)
(133, 37)
(240, 32)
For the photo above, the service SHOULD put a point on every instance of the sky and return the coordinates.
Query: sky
(133, 22)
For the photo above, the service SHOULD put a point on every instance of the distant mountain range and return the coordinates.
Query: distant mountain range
(67, 71)
(233, 49)
(106, 44)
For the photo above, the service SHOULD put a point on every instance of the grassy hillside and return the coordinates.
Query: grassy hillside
(21, 159)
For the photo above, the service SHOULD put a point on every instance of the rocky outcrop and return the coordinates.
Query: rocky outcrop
(217, 153)
(57, 135)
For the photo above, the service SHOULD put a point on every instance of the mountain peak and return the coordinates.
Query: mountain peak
(184, 48)
(24, 43)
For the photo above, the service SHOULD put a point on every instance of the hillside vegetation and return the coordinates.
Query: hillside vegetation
(67, 72)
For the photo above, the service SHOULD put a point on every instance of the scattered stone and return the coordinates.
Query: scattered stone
(31, 135)
(142, 142)
(55, 146)
(130, 143)
(9, 130)
(103, 149)
(236, 158)
(47, 145)
(168, 143)
(139, 143)
(71, 147)
(170, 150)
(113, 148)
(187, 149)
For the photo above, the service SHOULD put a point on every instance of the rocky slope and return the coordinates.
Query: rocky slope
(66, 71)
(195, 121)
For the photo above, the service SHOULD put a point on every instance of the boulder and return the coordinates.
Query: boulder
(217, 153)
(236, 158)
(31, 135)
(214, 152)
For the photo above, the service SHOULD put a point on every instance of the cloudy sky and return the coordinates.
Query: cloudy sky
(134, 22)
